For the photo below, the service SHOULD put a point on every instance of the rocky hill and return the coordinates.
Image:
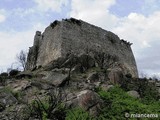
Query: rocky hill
(77, 71)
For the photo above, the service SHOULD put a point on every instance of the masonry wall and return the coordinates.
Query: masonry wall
(84, 37)
(50, 45)
(78, 37)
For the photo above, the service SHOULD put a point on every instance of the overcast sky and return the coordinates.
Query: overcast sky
(137, 21)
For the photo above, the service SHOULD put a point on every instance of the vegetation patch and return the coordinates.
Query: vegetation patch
(118, 103)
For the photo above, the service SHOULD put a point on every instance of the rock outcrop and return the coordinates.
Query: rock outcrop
(134, 94)
(87, 99)
(71, 36)
(73, 64)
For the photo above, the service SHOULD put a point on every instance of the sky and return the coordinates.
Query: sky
(136, 21)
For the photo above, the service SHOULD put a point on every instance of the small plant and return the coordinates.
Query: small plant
(13, 73)
(4, 74)
(148, 91)
(3, 78)
(6, 89)
(2, 81)
(50, 108)
(78, 114)
(17, 94)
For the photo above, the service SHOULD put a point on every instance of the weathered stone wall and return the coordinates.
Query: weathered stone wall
(33, 52)
(50, 45)
(83, 37)
(78, 37)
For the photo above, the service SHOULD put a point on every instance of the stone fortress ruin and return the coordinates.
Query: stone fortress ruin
(72, 36)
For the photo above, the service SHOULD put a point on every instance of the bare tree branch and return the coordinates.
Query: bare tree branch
(22, 59)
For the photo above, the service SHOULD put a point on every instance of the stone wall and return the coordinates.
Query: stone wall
(78, 37)
(50, 45)
(84, 37)
(33, 52)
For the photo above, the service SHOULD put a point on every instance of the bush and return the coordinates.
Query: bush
(4, 74)
(13, 72)
(3, 77)
(148, 91)
(17, 94)
(118, 102)
(78, 114)
(2, 81)
(49, 108)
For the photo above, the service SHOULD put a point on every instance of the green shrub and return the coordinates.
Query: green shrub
(13, 72)
(17, 94)
(3, 78)
(148, 91)
(4, 74)
(78, 114)
(6, 89)
(118, 102)
(49, 108)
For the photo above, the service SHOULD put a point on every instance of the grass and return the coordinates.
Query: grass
(118, 102)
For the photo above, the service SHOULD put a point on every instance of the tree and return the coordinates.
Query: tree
(22, 59)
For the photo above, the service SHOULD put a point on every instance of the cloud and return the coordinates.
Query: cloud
(20, 12)
(2, 16)
(13, 42)
(53, 5)
(149, 59)
(150, 6)
(94, 11)
(17, 31)
(139, 27)
(141, 30)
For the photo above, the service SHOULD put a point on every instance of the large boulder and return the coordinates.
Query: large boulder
(115, 76)
(57, 79)
(134, 94)
(7, 99)
(18, 85)
(25, 74)
(41, 85)
(87, 100)
(96, 77)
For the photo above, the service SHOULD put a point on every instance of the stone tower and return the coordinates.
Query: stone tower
(78, 37)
